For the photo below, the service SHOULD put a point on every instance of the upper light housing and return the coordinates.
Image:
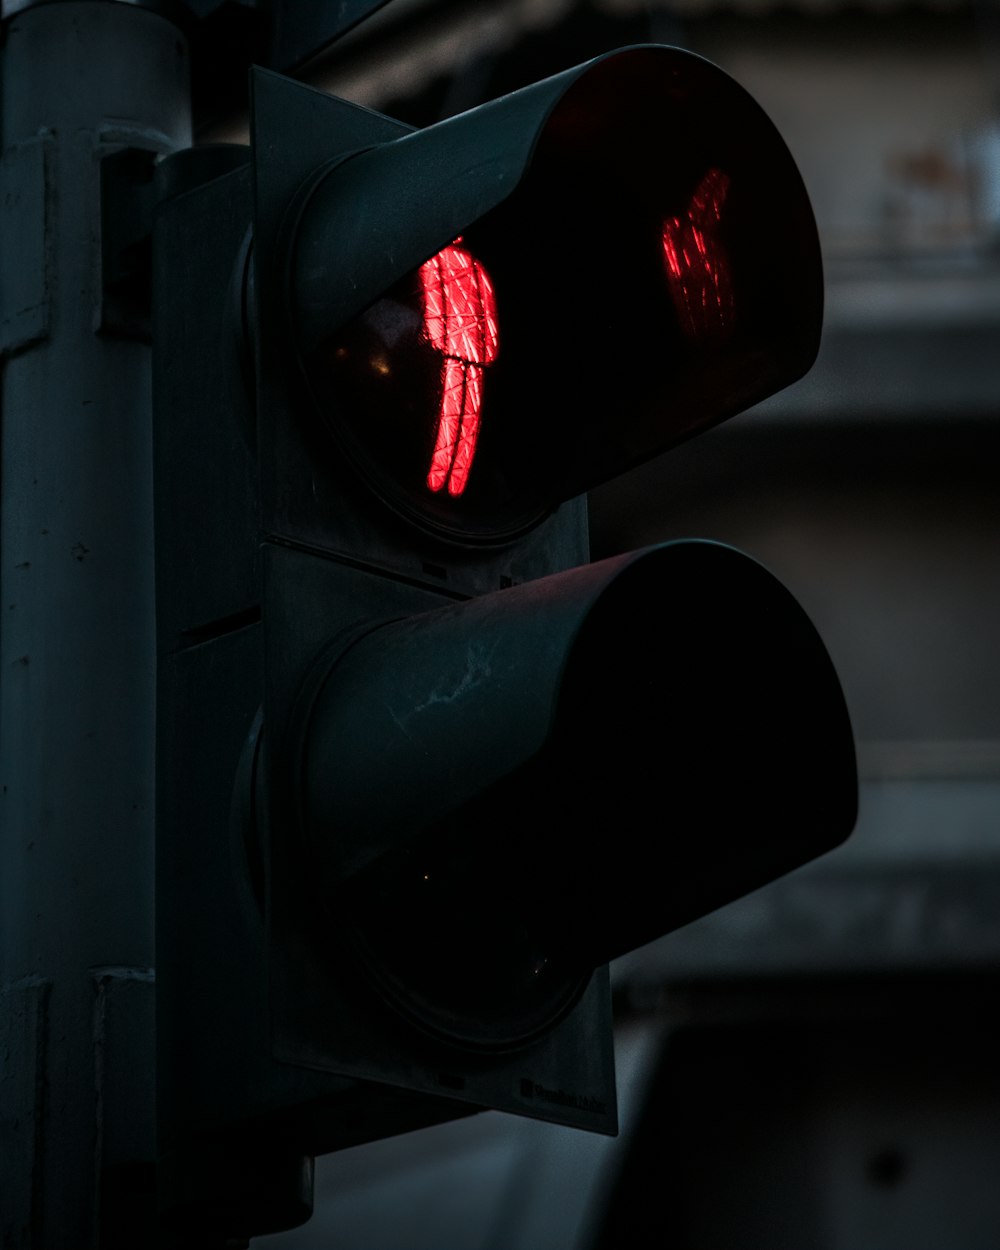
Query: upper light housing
(617, 258)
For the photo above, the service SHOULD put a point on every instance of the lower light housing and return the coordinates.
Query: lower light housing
(569, 769)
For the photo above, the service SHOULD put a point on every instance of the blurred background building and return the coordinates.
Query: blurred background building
(814, 1067)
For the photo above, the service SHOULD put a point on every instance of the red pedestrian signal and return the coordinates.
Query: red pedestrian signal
(460, 321)
(651, 267)
(424, 769)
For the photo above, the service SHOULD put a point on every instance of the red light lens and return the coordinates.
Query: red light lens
(413, 388)
(697, 262)
(460, 322)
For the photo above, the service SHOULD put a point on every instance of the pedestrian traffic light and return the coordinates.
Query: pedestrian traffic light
(423, 770)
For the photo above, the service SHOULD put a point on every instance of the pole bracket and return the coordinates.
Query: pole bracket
(26, 263)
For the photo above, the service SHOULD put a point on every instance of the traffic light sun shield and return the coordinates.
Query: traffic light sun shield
(653, 268)
(603, 757)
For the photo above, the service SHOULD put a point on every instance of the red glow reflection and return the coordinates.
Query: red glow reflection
(697, 262)
(460, 321)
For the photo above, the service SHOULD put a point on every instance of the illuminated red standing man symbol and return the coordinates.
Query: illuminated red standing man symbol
(697, 262)
(460, 321)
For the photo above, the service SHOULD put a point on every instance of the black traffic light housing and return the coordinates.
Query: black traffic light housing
(422, 771)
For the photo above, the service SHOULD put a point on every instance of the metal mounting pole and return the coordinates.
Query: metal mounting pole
(79, 80)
